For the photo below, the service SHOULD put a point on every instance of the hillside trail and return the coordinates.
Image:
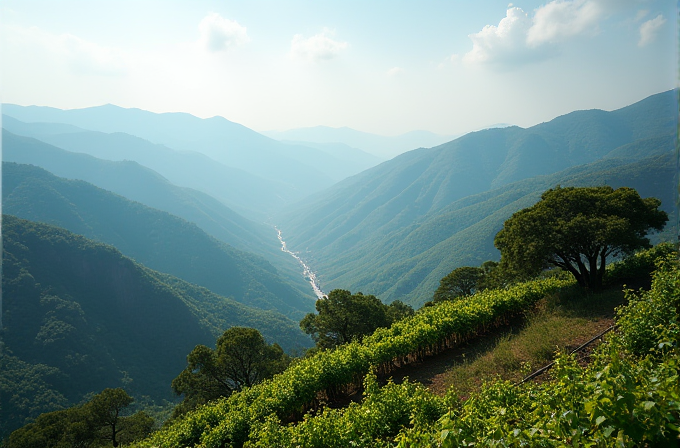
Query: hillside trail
(432, 372)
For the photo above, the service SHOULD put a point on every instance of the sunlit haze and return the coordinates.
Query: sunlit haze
(383, 67)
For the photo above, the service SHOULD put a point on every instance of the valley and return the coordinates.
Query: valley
(307, 273)
(128, 243)
(329, 224)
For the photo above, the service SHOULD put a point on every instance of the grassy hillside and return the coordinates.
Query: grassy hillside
(154, 238)
(78, 316)
(396, 229)
(136, 182)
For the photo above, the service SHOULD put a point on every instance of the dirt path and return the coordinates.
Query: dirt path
(432, 371)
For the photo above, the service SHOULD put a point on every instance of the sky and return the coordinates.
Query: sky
(385, 67)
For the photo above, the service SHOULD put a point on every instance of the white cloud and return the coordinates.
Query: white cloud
(316, 48)
(519, 38)
(559, 20)
(503, 43)
(219, 34)
(650, 29)
(394, 71)
(81, 56)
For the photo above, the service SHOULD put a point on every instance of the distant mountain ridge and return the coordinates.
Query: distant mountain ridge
(378, 145)
(154, 238)
(350, 233)
(300, 169)
(243, 191)
(141, 184)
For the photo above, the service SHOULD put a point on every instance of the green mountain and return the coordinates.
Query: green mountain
(78, 316)
(396, 229)
(249, 194)
(133, 181)
(226, 142)
(152, 237)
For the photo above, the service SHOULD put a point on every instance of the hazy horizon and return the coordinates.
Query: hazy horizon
(382, 68)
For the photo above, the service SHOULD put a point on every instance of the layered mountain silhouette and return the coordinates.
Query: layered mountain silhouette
(152, 237)
(141, 184)
(378, 145)
(289, 171)
(383, 231)
(248, 193)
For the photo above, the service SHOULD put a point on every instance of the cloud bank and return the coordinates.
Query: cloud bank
(319, 47)
(520, 39)
(219, 34)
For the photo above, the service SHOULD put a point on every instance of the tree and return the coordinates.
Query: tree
(106, 411)
(397, 311)
(458, 283)
(99, 420)
(576, 229)
(344, 316)
(241, 358)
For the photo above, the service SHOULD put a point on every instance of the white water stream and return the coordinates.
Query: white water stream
(306, 271)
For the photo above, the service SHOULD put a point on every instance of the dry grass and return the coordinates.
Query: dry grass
(560, 323)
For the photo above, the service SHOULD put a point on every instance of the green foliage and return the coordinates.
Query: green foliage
(79, 317)
(460, 282)
(343, 317)
(99, 422)
(628, 396)
(26, 391)
(651, 318)
(397, 311)
(229, 422)
(242, 358)
(382, 413)
(576, 229)
(620, 399)
(640, 265)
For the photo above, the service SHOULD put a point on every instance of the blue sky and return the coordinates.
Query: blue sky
(386, 67)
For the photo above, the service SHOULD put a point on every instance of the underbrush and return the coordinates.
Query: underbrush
(629, 395)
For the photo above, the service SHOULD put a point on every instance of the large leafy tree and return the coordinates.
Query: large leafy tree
(577, 229)
(241, 358)
(344, 316)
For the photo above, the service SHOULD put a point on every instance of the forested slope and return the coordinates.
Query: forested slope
(395, 229)
(78, 316)
(139, 183)
(154, 238)
(410, 262)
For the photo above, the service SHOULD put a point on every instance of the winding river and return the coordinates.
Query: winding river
(306, 271)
